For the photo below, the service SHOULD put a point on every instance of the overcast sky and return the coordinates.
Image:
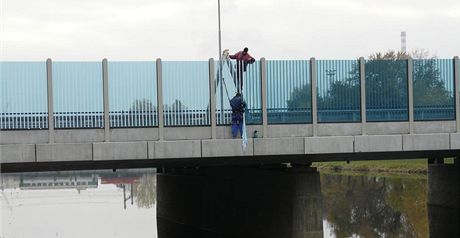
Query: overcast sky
(187, 29)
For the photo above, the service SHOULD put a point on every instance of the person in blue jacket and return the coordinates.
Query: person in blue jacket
(238, 106)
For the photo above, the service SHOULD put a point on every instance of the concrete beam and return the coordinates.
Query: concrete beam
(17, 153)
(160, 99)
(433, 127)
(225, 132)
(119, 150)
(362, 80)
(294, 130)
(410, 93)
(263, 79)
(263, 85)
(226, 148)
(325, 145)
(455, 141)
(426, 142)
(64, 152)
(314, 96)
(133, 134)
(24, 137)
(105, 93)
(378, 143)
(79, 135)
(212, 98)
(387, 128)
(457, 91)
(49, 79)
(339, 129)
(279, 146)
(174, 149)
(187, 133)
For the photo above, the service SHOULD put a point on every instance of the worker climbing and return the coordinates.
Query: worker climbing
(243, 58)
(237, 103)
(238, 106)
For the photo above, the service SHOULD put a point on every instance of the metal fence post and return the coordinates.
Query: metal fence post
(314, 96)
(410, 92)
(49, 79)
(457, 91)
(212, 98)
(263, 79)
(160, 99)
(105, 90)
(362, 79)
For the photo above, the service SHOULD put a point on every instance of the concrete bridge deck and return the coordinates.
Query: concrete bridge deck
(160, 132)
(29, 149)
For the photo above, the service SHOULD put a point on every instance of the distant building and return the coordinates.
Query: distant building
(79, 182)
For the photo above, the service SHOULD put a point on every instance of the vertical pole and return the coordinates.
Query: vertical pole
(362, 79)
(49, 79)
(212, 97)
(221, 77)
(314, 96)
(263, 75)
(160, 99)
(457, 91)
(410, 92)
(105, 88)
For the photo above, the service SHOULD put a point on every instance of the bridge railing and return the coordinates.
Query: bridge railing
(78, 92)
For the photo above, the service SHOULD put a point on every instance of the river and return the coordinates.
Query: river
(122, 203)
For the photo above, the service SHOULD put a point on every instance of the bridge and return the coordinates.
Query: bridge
(172, 113)
(175, 116)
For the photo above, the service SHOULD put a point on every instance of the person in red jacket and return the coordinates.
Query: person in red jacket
(243, 58)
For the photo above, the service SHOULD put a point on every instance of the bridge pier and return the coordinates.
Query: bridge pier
(444, 198)
(239, 202)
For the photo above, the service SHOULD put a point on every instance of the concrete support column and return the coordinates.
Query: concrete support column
(444, 199)
(362, 80)
(457, 91)
(160, 99)
(263, 79)
(191, 202)
(212, 98)
(49, 79)
(410, 93)
(314, 96)
(105, 89)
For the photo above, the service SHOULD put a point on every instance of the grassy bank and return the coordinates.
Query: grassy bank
(394, 166)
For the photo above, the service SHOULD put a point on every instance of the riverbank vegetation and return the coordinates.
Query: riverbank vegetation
(394, 166)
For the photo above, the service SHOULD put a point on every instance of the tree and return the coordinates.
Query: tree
(386, 84)
(367, 206)
(300, 98)
(143, 104)
(144, 191)
(429, 88)
(177, 106)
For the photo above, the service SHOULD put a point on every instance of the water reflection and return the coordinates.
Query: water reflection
(230, 202)
(79, 204)
(375, 206)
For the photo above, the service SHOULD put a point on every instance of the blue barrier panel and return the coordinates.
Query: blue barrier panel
(186, 93)
(132, 94)
(251, 92)
(77, 95)
(339, 92)
(434, 97)
(288, 91)
(23, 95)
(386, 90)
